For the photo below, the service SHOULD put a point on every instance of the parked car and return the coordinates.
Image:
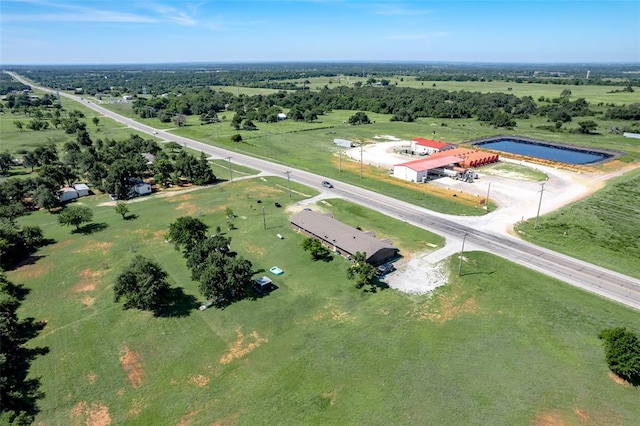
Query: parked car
(327, 184)
(385, 269)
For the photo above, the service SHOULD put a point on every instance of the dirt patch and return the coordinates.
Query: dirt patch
(331, 396)
(132, 366)
(31, 268)
(89, 280)
(96, 414)
(95, 246)
(187, 419)
(189, 208)
(259, 251)
(180, 198)
(447, 308)
(416, 275)
(91, 377)
(136, 407)
(619, 380)
(199, 380)
(88, 301)
(229, 420)
(239, 348)
(548, 419)
(582, 415)
(334, 313)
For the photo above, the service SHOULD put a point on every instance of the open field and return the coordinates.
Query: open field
(594, 94)
(499, 345)
(15, 140)
(603, 229)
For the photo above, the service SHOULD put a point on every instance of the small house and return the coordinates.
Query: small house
(141, 188)
(82, 189)
(67, 194)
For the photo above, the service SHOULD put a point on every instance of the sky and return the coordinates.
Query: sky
(38, 32)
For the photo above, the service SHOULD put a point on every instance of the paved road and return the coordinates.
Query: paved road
(606, 283)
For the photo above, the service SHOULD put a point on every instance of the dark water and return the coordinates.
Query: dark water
(546, 152)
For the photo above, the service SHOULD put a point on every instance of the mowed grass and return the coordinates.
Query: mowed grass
(499, 345)
(603, 229)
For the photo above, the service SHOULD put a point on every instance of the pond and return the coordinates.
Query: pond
(545, 151)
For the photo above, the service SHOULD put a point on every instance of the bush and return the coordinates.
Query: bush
(622, 351)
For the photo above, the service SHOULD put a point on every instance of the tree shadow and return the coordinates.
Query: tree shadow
(91, 228)
(131, 217)
(463, 274)
(376, 285)
(29, 260)
(180, 305)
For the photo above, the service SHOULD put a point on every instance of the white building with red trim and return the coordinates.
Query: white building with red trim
(422, 146)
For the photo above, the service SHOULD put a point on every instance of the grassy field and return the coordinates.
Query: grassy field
(603, 229)
(499, 345)
(14, 140)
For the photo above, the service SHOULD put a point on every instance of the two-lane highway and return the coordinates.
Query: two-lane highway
(609, 284)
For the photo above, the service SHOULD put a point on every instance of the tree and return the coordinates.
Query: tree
(359, 118)
(45, 198)
(587, 127)
(19, 125)
(198, 256)
(317, 250)
(180, 120)
(18, 394)
(186, 232)
(30, 160)
(361, 271)
(17, 242)
(6, 161)
(75, 216)
(96, 121)
(225, 278)
(236, 138)
(622, 352)
(122, 209)
(144, 285)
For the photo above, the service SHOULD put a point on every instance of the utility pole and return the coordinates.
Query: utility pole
(464, 237)
(230, 171)
(288, 182)
(361, 160)
(486, 201)
(340, 159)
(264, 220)
(535, 225)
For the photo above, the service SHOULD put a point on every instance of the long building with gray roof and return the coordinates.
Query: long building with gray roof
(343, 238)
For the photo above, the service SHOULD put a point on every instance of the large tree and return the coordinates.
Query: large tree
(143, 284)
(186, 232)
(18, 394)
(198, 256)
(361, 271)
(225, 278)
(75, 216)
(622, 351)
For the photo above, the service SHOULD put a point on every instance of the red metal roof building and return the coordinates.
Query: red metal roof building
(469, 157)
(418, 170)
(424, 146)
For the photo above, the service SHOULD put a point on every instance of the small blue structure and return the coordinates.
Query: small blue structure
(276, 271)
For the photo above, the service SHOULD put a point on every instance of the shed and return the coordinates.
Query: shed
(282, 116)
(263, 285)
(67, 194)
(82, 189)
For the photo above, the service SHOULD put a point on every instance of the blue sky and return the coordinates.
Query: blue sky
(162, 31)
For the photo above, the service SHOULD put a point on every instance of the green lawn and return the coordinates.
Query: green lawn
(499, 345)
(603, 229)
